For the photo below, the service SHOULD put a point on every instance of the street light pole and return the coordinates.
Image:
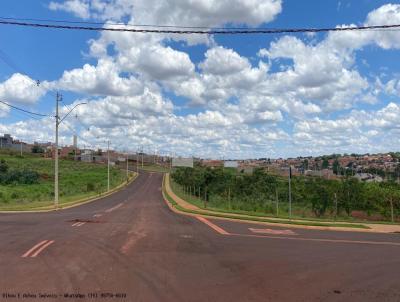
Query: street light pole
(127, 166)
(290, 192)
(58, 122)
(58, 99)
(108, 165)
(137, 161)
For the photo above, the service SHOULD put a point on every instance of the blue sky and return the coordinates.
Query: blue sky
(217, 96)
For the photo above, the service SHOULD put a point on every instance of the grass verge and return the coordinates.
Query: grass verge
(257, 219)
(78, 182)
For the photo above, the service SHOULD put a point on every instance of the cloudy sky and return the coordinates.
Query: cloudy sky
(209, 96)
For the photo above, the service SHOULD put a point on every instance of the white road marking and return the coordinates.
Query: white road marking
(34, 251)
(212, 225)
(41, 248)
(114, 208)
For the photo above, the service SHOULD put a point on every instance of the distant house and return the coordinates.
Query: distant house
(86, 155)
(212, 163)
(7, 142)
(367, 177)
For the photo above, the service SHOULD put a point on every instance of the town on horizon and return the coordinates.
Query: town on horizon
(366, 167)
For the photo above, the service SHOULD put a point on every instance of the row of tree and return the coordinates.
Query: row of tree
(261, 191)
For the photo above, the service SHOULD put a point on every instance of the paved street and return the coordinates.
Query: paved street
(130, 243)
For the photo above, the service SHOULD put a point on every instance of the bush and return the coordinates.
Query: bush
(311, 196)
(3, 166)
(25, 177)
(90, 187)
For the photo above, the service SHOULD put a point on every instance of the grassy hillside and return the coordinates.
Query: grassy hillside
(76, 180)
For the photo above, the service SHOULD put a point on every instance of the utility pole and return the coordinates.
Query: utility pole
(277, 201)
(391, 209)
(58, 99)
(290, 192)
(137, 161)
(58, 122)
(108, 165)
(127, 167)
(170, 164)
(20, 146)
(336, 206)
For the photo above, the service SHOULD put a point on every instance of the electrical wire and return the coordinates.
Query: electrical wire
(190, 27)
(8, 61)
(23, 110)
(203, 32)
(109, 23)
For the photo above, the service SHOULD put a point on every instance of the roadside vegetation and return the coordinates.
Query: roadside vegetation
(28, 181)
(258, 217)
(264, 194)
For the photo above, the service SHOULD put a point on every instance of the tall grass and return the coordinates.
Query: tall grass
(76, 180)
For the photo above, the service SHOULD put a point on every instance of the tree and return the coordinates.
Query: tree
(37, 149)
(336, 167)
(319, 194)
(350, 194)
(325, 164)
(305, 164)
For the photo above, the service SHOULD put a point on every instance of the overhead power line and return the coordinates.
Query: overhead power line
(111, 23)
(23, 110)
(201, 32)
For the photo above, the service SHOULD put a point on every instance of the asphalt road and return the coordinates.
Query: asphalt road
(132, 246)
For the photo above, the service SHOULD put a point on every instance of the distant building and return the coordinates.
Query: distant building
(75, 143)
(212, 163)
(6, 141)
(87, 156)
(367, 177)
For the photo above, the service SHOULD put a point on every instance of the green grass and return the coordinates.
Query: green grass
(283, 209)
(77, 180)
(224, 214)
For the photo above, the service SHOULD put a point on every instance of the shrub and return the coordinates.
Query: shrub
(90, 187)
(26, 177)
(3, 166)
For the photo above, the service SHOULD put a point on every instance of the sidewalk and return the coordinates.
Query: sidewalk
(370, 227)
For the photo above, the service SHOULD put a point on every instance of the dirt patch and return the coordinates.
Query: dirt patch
(86, 220)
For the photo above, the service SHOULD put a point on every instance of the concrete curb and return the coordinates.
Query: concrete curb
(75, 203)
(242, 219)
